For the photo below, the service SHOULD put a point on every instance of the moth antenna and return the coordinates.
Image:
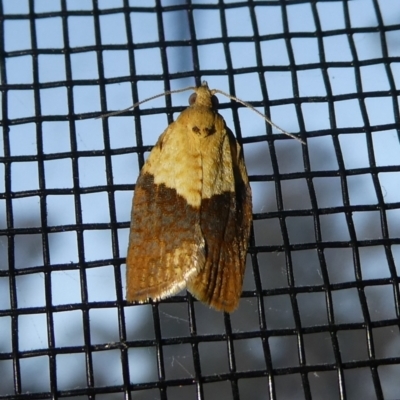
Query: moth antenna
(248, 105)
(229, 96)
(168, 92)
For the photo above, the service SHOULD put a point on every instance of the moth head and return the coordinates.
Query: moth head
(205, 99)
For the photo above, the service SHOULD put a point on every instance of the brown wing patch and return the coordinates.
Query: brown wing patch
(166, 246)
(225, 223)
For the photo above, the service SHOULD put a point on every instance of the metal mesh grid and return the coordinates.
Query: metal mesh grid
(319, 315)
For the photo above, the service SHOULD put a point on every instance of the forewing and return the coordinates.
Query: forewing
(225, 223)
(166, 245)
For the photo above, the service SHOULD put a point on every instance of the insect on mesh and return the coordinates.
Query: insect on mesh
(319, 314)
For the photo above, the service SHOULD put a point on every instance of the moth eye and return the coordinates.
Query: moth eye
(214, 101)
(192, 99)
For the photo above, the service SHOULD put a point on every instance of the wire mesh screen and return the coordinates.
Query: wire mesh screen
(319, 313)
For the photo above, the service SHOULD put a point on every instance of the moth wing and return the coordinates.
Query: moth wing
(225, 223)
(166, 245)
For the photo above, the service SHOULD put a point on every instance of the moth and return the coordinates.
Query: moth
(191, 212)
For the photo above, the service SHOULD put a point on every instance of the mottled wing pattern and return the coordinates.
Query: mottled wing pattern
(225, 224)
(159, 263)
